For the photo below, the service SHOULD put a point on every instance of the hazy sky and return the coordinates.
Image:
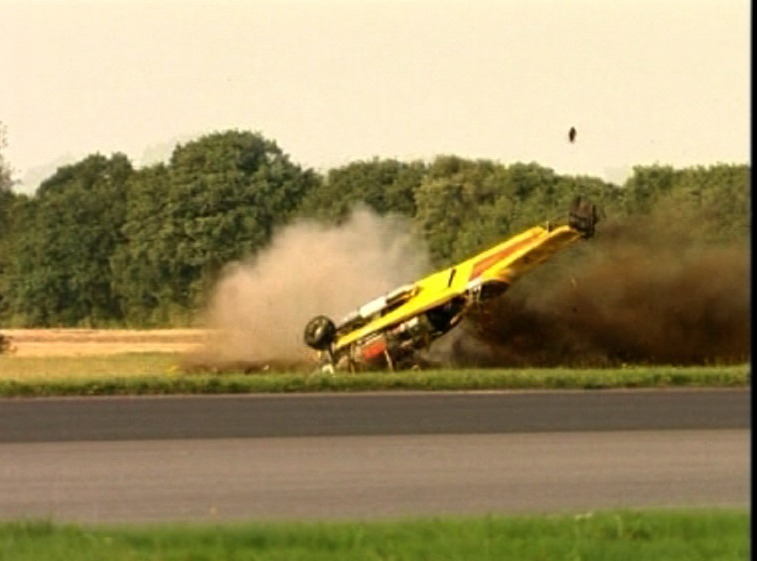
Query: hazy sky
(334, 81)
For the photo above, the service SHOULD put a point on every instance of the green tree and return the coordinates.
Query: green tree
(466, 206)
(7, 197)
(219, 199)
(450, 200)
(709, 203)
(646, 186)
(69, 231)
(384, 185)
(7, 203)
(6, 181)
(140, 272)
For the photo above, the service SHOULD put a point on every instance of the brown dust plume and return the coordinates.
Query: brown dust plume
(260, 307)
(643, 291)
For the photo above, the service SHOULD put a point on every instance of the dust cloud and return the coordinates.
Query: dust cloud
(640, 292)
(259, 308)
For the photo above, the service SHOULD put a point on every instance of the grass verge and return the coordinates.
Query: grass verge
(159, 374)
(680, 535)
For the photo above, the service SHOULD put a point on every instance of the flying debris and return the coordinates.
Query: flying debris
(389, 331)
(572, 134)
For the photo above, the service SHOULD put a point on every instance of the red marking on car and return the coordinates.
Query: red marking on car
(374, 349)
(487, 262)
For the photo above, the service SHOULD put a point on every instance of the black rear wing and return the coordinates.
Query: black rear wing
(583, 217)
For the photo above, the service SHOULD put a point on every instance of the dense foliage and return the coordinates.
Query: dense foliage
(220, 198)
(8, 203)
(60, 263)
(102, 244)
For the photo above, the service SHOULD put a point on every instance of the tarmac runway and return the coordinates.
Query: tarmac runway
(99, 460)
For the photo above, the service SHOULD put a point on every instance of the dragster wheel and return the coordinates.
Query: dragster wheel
(320, 333)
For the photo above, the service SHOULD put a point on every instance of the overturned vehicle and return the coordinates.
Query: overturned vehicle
(390, 331)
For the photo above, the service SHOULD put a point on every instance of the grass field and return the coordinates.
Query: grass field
(652, 535)
(118, 362)
(161, 373)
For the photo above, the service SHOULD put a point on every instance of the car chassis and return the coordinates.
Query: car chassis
(390, 331)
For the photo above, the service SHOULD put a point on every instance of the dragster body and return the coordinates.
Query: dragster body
(389, 331)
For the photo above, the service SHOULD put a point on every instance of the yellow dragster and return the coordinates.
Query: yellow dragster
(389, 331)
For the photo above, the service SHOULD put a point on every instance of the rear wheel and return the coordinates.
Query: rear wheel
(320, 333)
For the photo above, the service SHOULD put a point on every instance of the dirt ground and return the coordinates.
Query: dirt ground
(85, 342)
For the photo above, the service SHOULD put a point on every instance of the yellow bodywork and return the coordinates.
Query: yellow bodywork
(502, 263)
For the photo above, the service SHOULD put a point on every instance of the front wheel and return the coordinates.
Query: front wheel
(320, 333)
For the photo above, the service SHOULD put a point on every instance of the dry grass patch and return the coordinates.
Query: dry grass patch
(41, 369)
(94, 342)
(36, 355)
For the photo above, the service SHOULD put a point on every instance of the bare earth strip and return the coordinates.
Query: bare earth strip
(88, 342)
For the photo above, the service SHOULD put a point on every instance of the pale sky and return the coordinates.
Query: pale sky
(335, 81)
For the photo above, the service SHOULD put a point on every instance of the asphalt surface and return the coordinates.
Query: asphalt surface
(371, 456)
(397, 413)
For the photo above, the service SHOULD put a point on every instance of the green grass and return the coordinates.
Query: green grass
(156, 373)
(690, 535)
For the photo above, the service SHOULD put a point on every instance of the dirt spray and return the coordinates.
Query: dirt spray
(641, 291)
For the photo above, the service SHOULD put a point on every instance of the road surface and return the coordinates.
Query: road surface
(371, 455)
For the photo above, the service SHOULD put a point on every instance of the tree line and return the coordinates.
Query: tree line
(102, 243)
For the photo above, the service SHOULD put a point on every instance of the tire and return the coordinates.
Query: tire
(320, 333)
